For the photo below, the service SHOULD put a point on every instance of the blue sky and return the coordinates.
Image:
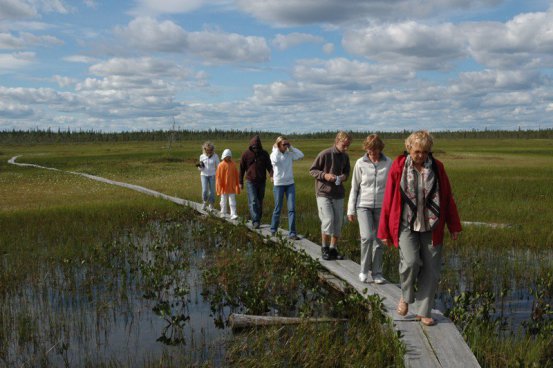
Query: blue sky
(278, 65)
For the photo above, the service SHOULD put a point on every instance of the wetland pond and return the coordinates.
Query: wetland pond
(158, 297)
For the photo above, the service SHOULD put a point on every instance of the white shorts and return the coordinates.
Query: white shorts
(331, 214)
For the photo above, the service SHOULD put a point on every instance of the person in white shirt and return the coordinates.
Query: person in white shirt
(365, 201)
(208, 165)
(282, 158)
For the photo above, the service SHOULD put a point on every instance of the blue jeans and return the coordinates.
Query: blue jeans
(290, 191)
(256, 193)
(208, 188)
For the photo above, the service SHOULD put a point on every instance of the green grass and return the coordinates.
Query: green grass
(505, 181)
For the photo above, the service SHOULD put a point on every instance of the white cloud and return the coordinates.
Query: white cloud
(10, 41)
(215, 47)
(64, 81)
(284, 42)
(14, 111)
(14, 61)
(328, 48)
(524, 41)
(80, 59)
(156, 7)
(412, 44)
(16, 9)
(141, 67)
(293, 12)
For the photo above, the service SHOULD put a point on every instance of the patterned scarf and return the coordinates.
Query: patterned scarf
(409, 189)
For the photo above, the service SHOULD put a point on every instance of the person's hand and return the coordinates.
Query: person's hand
(330, 177)
(343, 178)
(386, 242)
(272, 179)
(241, 186)
(351, 218)
(455, 235)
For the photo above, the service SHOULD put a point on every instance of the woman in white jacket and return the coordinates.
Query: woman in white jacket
(368, 184)
(208, 165)
(282, 159)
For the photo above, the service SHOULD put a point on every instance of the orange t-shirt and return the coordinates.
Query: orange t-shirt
(226, 178)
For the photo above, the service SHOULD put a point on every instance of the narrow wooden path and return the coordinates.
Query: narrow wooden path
(438, 346)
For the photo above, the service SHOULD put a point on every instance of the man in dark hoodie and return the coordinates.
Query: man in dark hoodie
(254, 164)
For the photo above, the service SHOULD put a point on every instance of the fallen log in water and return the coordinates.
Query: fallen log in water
(238, 321)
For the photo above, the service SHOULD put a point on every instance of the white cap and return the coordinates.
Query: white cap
(226, 153)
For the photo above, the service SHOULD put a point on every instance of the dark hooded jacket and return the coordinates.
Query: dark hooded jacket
(253, 164)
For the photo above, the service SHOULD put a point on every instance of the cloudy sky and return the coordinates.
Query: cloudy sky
(279, 65)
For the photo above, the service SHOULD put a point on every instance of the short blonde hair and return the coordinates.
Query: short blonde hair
(373, 142)
(207, 145)
(419, 138)
(342, 136)
(278, 140)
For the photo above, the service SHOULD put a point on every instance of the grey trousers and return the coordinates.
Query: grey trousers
(371, 247)
(331, 214)
(419, 265)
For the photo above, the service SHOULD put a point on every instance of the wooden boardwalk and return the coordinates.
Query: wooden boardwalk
(438, 346)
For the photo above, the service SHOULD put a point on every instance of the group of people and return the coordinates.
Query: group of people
(406, 202)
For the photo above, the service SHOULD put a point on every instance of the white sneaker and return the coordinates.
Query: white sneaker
(233, 217)
(203, 206)
(378, 279)
(362, 277)
(209, 207)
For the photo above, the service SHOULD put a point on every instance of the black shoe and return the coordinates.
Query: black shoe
(335, 255)
(294, 237)
(256, 225)
(273, 233)
(325, 251)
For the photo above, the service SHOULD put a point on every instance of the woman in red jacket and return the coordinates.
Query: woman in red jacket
(418, 203)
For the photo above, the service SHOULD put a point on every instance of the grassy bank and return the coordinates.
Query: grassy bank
(506, 181)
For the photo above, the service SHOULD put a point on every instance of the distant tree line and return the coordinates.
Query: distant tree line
(68, 136)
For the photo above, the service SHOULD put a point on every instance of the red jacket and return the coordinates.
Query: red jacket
(390, 215)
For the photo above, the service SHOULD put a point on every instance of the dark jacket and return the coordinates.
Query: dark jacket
(330, 161)
(253, 164)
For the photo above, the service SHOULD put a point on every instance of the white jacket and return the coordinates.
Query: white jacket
(210, 164)
(283, 173)
(368, 183)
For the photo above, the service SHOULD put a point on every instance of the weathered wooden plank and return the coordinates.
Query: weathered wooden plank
(238, 321)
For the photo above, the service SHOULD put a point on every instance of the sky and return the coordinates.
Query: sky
(288, 66)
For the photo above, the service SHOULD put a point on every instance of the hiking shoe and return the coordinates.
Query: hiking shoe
(335, 255)
(294, 237)
(256, 225)
(363, 277)
(378, 279)
(209, 207)
(325, 251)
(233, 217)
(204, 206)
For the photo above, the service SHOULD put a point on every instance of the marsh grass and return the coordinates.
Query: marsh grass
(505, 181)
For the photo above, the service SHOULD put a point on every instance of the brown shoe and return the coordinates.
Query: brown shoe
(402, 308)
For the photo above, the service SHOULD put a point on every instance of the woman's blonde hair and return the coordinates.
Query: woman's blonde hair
(342, 136)
(278, 140)
(373, 142)
(207, 145)
(419, 138)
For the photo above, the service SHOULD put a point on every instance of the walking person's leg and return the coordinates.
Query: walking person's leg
(211, 196)
(278, 193)
(324, 207)
(232, 203)
(377, 247)
(429, 275)
(337, 221)
(409, 263)
(252, 202)
(205, 190)
(260, 188)
(366, 259)
(291, 206)
(223, 203)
